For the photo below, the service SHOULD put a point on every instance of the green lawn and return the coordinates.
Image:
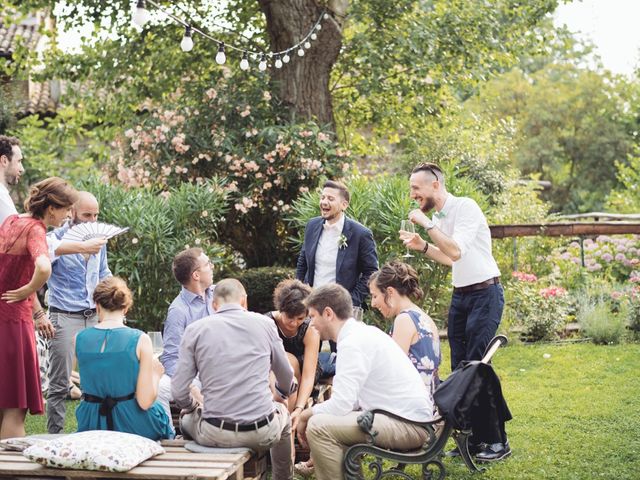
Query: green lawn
(576, 414)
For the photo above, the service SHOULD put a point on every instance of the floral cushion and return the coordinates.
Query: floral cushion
(95, 450)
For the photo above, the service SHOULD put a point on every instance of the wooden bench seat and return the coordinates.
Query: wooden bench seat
(176, 464)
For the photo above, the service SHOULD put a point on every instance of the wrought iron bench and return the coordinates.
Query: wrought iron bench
(428, 456)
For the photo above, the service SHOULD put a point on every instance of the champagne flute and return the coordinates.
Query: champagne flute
(407, 226)
(156, 343)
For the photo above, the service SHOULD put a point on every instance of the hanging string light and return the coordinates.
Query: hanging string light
(187, 42)
(141, 16)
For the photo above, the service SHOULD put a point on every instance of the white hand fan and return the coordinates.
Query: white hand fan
(89, 230)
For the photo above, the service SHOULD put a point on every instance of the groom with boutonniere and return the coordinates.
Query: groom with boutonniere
(337, 249)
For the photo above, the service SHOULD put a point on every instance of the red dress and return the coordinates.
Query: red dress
(22, 240)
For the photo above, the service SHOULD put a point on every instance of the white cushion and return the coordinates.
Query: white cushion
(95, 450)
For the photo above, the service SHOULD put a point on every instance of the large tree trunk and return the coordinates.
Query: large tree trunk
(303, 83)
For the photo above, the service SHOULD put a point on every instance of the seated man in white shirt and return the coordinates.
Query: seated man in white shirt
(372, 372)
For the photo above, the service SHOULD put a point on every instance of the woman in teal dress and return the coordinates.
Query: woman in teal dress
(119, 373)
(392, 289)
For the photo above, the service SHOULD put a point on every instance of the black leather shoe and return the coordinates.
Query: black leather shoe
(494, 452)
(473, 449)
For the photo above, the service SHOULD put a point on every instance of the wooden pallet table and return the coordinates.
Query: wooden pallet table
(176, 464)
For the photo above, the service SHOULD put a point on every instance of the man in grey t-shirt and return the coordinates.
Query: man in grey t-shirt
(233, 352)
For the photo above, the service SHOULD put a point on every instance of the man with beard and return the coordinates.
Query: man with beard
(11, 170)
(71, 307)
(461, 239)
(337, 249)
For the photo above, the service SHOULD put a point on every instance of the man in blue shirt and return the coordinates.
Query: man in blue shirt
(71, 307)
(192, 269)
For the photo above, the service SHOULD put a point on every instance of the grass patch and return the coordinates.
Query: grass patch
(576, 414)
(38, 423)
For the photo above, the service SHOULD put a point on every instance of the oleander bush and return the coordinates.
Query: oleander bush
(161, 224)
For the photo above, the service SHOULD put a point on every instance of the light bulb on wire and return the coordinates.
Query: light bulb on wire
(244, 63)
(301, 52)
(314, 36)
(220, 56)
(326, 16)
(262, 66)
(318, 27)
(187, 42)
(307, 45)
(278, 63)
(141, 16)
(286, 58)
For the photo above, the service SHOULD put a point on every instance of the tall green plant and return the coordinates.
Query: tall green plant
(160, 226)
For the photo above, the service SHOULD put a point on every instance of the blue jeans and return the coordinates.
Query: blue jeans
(327, 362)
(473, 321)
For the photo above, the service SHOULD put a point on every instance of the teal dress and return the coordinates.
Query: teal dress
(109, 370)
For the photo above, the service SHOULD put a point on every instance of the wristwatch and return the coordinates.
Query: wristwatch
(429, 225)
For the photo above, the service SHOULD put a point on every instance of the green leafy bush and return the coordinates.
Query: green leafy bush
(160, 226)
(541, 311)
(260, 283)
(600, 322)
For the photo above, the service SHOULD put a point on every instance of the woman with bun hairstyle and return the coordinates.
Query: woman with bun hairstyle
(24, 268)
(119, 373)
(392, 289)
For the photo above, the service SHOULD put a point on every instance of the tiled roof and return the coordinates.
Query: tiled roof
(40, 101)
(13, 35)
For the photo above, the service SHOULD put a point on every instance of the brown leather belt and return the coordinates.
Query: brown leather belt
(477, 286)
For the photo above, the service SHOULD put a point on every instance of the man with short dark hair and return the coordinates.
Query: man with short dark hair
(233, 352)
(336, 248)
(372, 372)
(11, 170)
(461, 239)
(192, 269)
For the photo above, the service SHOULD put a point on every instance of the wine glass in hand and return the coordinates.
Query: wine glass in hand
(407, 226)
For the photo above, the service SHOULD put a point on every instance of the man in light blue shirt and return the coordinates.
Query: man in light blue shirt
(192, 269)
(71, 307)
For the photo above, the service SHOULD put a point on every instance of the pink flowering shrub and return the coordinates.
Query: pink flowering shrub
(234, 131)
(541, 311)
(606, 257)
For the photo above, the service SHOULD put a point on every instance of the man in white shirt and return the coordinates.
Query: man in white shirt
(461, 239)
(372, 372)
(11, 170)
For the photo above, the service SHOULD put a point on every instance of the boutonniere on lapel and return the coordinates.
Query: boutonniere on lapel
(342, 242)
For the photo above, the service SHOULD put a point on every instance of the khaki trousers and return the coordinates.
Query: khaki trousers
(329, 436)
(275, 436)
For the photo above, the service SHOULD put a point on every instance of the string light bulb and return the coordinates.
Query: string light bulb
(314, 36)
(278, 63)
(301, 52)
(326, 16)
(141, 16)
(187, 41)
(286, 58)
(318, 27)
(262, 66)
(220, 56)
(244, 63)
(307, 45)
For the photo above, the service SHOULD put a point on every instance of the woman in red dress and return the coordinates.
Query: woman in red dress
(24, 268)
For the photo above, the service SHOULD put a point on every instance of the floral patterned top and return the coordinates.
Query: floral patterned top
(425, 353)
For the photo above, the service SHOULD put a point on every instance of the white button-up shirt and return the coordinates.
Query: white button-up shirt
(462, 220)
(6, 204)
(327, 253)
(372, 372)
